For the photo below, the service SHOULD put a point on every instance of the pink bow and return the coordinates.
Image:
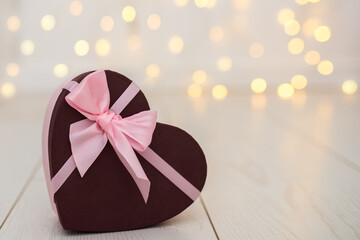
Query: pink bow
(88, 137)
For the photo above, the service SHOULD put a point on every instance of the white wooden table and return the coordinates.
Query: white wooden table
(277, 169)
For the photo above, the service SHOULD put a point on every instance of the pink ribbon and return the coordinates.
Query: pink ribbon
(88, 137)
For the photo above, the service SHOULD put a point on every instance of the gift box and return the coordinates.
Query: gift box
(108, 164)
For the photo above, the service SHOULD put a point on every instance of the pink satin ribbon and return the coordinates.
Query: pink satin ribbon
(90, 98)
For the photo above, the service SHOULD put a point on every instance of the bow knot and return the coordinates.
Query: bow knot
(104, 120)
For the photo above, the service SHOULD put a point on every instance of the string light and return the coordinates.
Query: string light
(285, 90)
(322, 33)
(107, 23)
(134, 42)
(310, 25)
(325, 67)
(176, 45)
(312, 57)
(76, 8)
(201, 3)
(216, 34)
(258, 101)
(12, 69)
(256, 50)
(349, 87)
(48, 22)
(13, 23)
(181, 3)
(8, 90)
(285, 15)
(224, 64)
(219, 92)
(152, 71)
(199, 76)
(258, 85)
(154, 21)
(299, 82)
(194, 90)
(296, 46)
(128, 14)
(301, 2)
(102, 47)
(81, 48)
(60, 70)
(292, 27)
(27, 47)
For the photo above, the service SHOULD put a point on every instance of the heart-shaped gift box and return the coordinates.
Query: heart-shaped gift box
(98, 176)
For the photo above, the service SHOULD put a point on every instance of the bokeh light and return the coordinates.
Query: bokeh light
(322, 33)
(102, 47)
(325, 67)
(107, 23)
(258, 101)
(128, 14)
(296, 46)
(134, 42)
(176, 44)
(349, 87)
(201, 3)
(216, 34)
(314, 1)
(285, 90)
(258, 85)
(12, 69)
(256, 50)
(13, 23)
(76, 8)
(60, 70)
(219, 92)
(27, 47)
(299, 81)
(8, 90)
(310, 25)
(154, 21)
(301, 2)
(194, 90)
(48, 22)
(181, 3)
(81, 48)
(199, 76)
(285, 15)
(152, 71)
(312, 57)
(292, 27)
(224, 64)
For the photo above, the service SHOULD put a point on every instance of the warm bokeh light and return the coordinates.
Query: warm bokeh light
(219, 92)
(12, 69)
(216, 34)
(285, 90)
(181, 3)
(258, 101)
(13, 23)
(224, 64)
(312, 57)
(301, 2)
(60, 70)
(258, 85)
(154, 21)
(322, 33)
(310, 25)
(299, 81)
(292, 27)
(325, 67)
(241, 5)
(134, 42)
(102, 47)
(152, 71)
(81, 48)
(285, 15)
(47, 22)
(201, 3)
(314, 1)
(176, 44)
(107, 23)
(256, 50)
(194, 90)
(349, 87)
(128, 14)
(199, 76)
(8, 90)
(296, 46)
(27, 47)
(76, 8)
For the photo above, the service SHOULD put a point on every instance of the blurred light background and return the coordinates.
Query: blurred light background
(200, 47)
